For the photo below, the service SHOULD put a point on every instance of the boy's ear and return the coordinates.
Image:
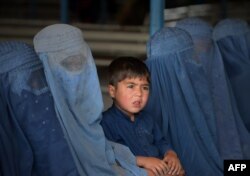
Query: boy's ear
(111, 90)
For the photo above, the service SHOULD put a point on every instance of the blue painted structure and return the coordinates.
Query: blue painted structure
(64, 11)
(156, 15)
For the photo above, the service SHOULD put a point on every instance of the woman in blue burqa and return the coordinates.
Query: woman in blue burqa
(233, 39)
(231, 135)
(71, 75)
(176, 103)
(32, 141)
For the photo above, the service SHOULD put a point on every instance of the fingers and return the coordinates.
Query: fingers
(165, 168)
(171, 166)
(157, 172)
(174, 168)
(161, 169)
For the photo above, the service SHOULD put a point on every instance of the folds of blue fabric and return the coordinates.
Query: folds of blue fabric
(233, 39)
(38, 144)
(171, 62)
(190, 139)
(217, 92)
(13, 161)
(232, 36)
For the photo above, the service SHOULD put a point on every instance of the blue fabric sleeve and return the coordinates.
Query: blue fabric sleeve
(162, 144)
(109, 129)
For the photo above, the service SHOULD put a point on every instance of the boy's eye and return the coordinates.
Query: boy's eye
(130, 86)
(146, 88)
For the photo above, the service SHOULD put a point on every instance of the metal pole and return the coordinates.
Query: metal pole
(64, 11)
(156, 15)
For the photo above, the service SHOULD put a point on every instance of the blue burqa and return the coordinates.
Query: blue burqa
(71, 74)
(12, 139)
(32, 141)
(233, 39)
(176, 103)
(199, 73)
(230, 130)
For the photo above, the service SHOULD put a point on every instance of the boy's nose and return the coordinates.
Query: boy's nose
(138, 92)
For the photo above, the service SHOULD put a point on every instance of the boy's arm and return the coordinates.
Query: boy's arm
(170, 157)
(109, 131)
(160, 141)
(155, 165)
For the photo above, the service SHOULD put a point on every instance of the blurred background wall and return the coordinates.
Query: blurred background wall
(111, 27)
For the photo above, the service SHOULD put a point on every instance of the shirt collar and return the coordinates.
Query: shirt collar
(119, 113)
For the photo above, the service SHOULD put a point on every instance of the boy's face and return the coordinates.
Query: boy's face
(130, 94)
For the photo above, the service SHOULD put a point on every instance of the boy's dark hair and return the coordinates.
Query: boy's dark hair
(127, 67)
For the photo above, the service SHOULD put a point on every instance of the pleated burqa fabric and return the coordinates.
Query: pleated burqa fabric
(174, 100)
(227, 120)
(199, 73)
(33, 140)
(233, 39)
(12, 139)
(72, 77)
(228, 34)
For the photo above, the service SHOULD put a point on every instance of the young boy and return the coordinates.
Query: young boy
(126, 123)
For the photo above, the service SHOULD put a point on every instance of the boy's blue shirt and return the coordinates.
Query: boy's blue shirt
(143, 136)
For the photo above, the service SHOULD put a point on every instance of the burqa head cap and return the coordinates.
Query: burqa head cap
(57, 37)
(14, 54)
(168, 40)
(230, 27)
(196, 27)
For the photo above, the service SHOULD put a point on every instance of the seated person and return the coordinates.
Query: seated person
(71, 74)
(126, 123)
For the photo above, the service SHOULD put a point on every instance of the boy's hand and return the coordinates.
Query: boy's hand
(150, 173)
(157, 166)
(173, 163)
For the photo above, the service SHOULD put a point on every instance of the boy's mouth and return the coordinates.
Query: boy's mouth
(137, 103)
